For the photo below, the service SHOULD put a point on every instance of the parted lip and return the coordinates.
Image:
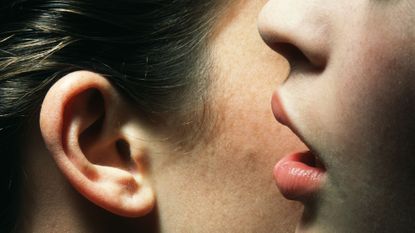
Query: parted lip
(281, 116)
(298, 175)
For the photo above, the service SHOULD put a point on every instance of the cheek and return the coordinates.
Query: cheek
(371, 72)
(354, 107)
(370, 113)
(379, 88)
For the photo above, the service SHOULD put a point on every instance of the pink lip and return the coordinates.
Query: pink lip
(298, 175)
(297, 178)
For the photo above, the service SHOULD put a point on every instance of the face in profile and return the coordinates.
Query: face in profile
(350, 98)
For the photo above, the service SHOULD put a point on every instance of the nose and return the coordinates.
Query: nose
(298, 30)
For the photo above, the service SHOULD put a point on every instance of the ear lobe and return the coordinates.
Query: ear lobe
(84, 121)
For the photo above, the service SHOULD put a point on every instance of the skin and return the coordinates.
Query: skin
(231, 175)
(222, 184)
(352, 102)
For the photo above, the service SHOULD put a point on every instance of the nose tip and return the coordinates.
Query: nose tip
(271, 26)
(295, 31)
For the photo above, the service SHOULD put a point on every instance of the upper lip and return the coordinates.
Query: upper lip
(281, 115)
(279, 111)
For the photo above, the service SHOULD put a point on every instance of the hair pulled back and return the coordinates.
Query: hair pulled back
(151, 50)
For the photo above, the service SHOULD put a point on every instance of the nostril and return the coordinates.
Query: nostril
(299, 61)
(294, 55)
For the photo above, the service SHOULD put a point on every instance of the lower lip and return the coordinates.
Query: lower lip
(296, 176)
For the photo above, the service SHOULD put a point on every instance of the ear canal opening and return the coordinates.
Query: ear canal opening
(123, 149)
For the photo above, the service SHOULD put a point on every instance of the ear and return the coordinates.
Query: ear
(98, 143)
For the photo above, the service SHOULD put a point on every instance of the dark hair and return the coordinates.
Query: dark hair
(153, 51)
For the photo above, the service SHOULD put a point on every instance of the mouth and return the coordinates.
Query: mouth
(298, 175)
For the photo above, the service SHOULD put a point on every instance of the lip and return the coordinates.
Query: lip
(298, 175)
(279, 110)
